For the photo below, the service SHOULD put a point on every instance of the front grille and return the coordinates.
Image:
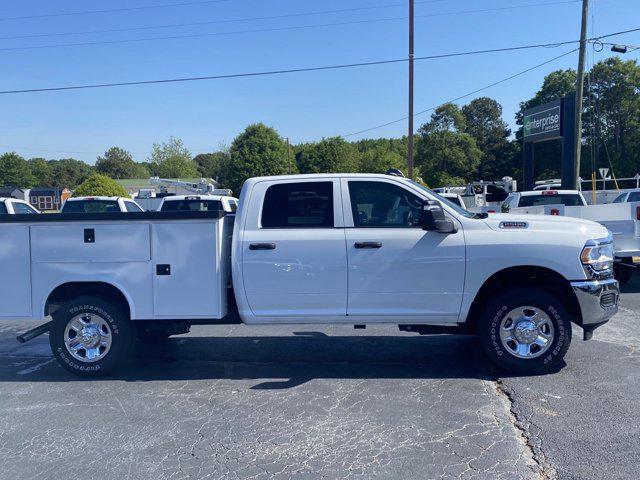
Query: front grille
(608, 300)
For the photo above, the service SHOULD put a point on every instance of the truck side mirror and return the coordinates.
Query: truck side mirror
(434, 219)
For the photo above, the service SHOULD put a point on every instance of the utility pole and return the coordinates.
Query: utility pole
(579, 88)
(289, 155)
(410, 132)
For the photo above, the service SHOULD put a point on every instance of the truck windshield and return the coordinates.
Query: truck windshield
(191, 205)
(566, 199)
(449, 203)
(91, 206)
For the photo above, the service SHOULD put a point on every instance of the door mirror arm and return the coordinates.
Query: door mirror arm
(434, 219)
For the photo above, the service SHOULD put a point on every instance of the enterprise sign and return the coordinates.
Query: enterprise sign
(543, 122)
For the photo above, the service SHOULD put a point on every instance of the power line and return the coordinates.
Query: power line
(510, 77)
(275, 17)
(113, 10)
(286, 71)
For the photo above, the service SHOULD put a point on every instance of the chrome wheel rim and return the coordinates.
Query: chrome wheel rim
(88, 337)
(526, 332)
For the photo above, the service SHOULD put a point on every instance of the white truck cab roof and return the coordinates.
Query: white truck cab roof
(100, 204)
(14, 206)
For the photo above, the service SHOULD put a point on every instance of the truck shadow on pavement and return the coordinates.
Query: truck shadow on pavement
(288, 361)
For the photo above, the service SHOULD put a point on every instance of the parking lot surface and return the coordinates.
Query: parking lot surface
(323, 402)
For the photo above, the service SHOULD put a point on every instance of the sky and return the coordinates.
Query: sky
(228, 39)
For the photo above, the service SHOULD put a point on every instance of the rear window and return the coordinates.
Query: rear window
(91, 206)
(132, 207)
(191, 205)
(568, 200)
(634, 197)
(298, 205)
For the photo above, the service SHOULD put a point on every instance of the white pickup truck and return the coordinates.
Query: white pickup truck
(13, 206)
(336, 248)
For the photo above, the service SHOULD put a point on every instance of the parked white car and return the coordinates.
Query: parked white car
(14, 206)
(198, 203)
(99, 205)
(350, 249)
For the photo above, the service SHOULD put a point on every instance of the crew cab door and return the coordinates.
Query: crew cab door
(396, 269)
(294, 261)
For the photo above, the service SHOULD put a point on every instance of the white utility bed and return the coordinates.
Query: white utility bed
(176, 265)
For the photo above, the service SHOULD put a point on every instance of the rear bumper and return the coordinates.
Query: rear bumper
(598, 300)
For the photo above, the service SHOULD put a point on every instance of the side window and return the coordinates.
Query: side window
(381, 204)
(298, 205)
(22, 208)
(132, 207)
(619, 198)
(3, 209)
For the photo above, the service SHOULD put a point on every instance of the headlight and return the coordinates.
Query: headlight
(598, 255)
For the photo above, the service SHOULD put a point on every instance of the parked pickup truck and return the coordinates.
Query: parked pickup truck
(99, 205)
(14, 206)
(185, 203)
(352, 249)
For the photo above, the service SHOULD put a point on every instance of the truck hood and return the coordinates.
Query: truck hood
(548, 223)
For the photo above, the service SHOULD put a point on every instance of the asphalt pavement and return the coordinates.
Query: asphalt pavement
(323, 402)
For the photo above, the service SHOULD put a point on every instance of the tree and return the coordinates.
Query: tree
(613, 113)
(445, 154)
(331, 155)
(172, 159)
(69, 173)
(41, 171)
(118, 163)
(259, 150)
(14, 171)
(100, 185)
(483, 121)
(211, 165)
(379, 159)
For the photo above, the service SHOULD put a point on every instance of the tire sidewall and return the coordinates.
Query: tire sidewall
(120, 331)
(504, 303)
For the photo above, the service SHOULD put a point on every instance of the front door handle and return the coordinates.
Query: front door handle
(367, 244)
(262, 246)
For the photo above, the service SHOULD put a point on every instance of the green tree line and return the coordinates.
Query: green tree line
(457, 144)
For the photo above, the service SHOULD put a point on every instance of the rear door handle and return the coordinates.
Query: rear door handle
(367, 244)
(262, 246)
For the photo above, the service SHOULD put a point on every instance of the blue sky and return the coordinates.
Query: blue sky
(302, 106)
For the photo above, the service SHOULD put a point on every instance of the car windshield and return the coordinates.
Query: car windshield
(191, 205)
(91, 206)
(449, 203)
(566, 199)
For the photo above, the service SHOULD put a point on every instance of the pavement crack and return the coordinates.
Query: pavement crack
(531, 442)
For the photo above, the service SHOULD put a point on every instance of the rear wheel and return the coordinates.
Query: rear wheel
(525, 330)
(90, 336)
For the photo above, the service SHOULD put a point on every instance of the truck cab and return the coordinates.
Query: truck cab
(14, 206)
(198, 203)
(539, 199)
(99, 204)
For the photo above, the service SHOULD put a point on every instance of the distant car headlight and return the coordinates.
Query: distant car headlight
(597, 255)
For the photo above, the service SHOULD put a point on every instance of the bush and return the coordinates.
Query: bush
(100, 186)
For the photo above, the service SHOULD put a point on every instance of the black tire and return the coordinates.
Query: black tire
(622, 274)
(511, 299)
(121, 335)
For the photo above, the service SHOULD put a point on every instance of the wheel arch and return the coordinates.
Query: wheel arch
(519, 276)
(67, 291)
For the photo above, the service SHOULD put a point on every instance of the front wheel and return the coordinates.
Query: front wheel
(525, 330)
(91, 337)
